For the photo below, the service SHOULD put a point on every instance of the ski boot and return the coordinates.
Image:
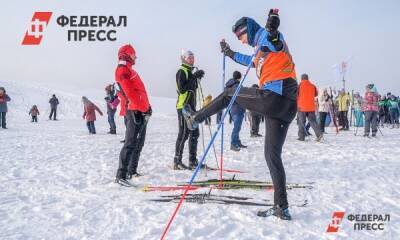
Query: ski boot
(113, 131)
(123, 182)
(193, 164)
(277, 211)
(257, 135)
(319, 138)
(235, 148)
(178, 165)
(136, 175)
(241, 145)
(189, 115)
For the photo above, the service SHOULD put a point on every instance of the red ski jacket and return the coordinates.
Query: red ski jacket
(132, 87)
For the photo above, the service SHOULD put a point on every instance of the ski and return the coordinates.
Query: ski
(243, 183)
(208, 195)
(125, 183)
(224, 170)
(203, 198)
(148, 188)
(270, 212)
(212, 169)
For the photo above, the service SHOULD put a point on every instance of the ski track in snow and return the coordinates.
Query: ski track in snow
(57, 181)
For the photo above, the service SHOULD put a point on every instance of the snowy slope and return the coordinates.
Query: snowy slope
(57, 181)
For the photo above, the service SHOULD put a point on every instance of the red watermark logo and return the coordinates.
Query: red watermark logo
(38, 25)
(337, 218)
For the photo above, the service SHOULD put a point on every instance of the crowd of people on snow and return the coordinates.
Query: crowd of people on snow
(276, 101)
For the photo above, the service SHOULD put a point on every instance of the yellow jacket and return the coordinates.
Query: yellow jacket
(343, 102)
(207, 100)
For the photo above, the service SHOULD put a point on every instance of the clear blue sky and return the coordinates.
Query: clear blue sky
(319, 34)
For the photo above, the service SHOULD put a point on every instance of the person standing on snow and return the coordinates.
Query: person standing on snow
(137, 114)
(34, 112)
(276, 98)
(358, 115)
(237, 114)
(207, 101)
(343, 103)
(394, 111)
(53, 107)
(123, 106)
(186, 87)
(370, 108)
(306, 108)
(89, 113)
(4, 98)
(112, 101)
(255, 120)
(323, 109)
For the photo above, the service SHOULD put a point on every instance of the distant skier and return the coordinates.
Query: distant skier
(123, 106)
(237, 113)
(186, 84)
(112, 101)
(276, 98)
(323, 109)
(255, 120)
(207, 101)
(53, 107)
(89, 113)
(357, 104)
(343, 107)
(4, 98)
(34, 112)
(394, 110)
(306, 108)
(138, 113)
(370, 108)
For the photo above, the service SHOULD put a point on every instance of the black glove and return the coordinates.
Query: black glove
(199, 74)
(274, 38)
(273, 21)
(149, 112)
(226, 49)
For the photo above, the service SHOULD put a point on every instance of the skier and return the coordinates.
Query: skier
(382, 112)
(343, 103)
(323, 109)
(370, 109)
(237, 113)
(123, 106)
(207, 101)
(306, 108)
(137, 114)
(89, 113)
(255, 120)
(34, 112)
(112, 102)
(186, 84)
(4, 98)
(53, 106)
(394, 111)
(358, 115)
(276, 98)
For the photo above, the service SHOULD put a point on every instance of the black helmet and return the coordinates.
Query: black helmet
(240, 27)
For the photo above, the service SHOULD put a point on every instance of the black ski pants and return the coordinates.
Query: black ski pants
(278, 110)
(134, 141)
(183, 134)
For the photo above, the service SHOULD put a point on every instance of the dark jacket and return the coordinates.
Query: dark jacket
(53, 102)
(236, 109)
(187, 84)
(3, 102)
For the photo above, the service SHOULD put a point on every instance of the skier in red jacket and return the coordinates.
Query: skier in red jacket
(137, 114)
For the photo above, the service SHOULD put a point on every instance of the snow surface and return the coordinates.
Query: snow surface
(57, 180)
